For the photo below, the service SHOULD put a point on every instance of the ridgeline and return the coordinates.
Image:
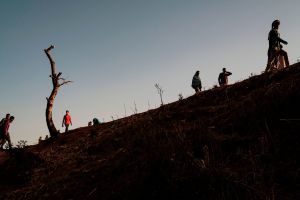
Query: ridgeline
(241, 141)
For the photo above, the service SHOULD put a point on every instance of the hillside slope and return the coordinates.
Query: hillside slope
(236, 142)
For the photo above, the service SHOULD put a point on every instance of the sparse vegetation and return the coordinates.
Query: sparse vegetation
(134, 109)
(21, 144)
(160, 92)
(180, 97)
(205, 147)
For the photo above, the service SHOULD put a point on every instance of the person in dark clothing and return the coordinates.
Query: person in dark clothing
(223, 77)
(96, 121)
(196, 82)
(275, 48)
(4, 134)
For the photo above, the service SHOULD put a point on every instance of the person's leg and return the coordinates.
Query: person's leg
(281, 62)
(268, 61)
(9, 142)
(271, 56)
(67, 127)
(286, 59)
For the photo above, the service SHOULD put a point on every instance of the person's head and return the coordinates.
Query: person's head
(67, 112)
(7, 116)
(275, 24)
(11, 118)
(197, 73)
(224, 69)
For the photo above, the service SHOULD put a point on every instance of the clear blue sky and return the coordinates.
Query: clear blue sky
(116, 50)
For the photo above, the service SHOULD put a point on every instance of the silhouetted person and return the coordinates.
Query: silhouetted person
(223, 77)
(67, 121)
(196, 82)
(4, 134)
(275, 48)
(96, 121)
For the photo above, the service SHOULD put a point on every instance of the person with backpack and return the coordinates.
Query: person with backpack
(4, 127)
(223, 77)
(67, 121)
(196, 82)
(275, 48)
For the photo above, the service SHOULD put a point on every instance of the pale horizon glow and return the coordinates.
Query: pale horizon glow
(115, 51)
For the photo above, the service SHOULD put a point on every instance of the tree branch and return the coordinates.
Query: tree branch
(58, 75)
(47, 51)
(52, 63)
(65, 82)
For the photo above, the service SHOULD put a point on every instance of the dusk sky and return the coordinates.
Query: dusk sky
(116, 50)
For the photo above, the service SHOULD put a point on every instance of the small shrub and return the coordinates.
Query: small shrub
(21, 144)
(180, 97)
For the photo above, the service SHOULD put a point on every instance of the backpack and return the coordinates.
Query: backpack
(2, 122)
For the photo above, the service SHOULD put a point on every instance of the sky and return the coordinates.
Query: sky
(114, 51)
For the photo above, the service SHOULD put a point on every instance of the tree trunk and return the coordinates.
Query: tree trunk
(50, 101)
(51, 127)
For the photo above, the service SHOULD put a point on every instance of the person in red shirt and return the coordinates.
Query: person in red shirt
(67, 121)
(4, 134)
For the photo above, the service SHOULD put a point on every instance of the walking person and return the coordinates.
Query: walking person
(4, 134)
(196, 82)
(275, 48)
(223, 77)
(67, 121)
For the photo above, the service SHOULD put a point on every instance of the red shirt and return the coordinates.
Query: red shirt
(67, 119)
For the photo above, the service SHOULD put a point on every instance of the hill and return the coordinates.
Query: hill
(236, 142)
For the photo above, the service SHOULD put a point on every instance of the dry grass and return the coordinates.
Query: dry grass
(224, 143)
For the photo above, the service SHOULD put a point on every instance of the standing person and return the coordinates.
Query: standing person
(67, 121)
(275, 48)
(196, 82)
(4, 134)
(223, 77)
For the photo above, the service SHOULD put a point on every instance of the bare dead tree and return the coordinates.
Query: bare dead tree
(57, 81)
(160, 92)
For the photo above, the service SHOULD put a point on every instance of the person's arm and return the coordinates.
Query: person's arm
(228, 73)
(281, 40)
(276, 35)
(71, 121)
